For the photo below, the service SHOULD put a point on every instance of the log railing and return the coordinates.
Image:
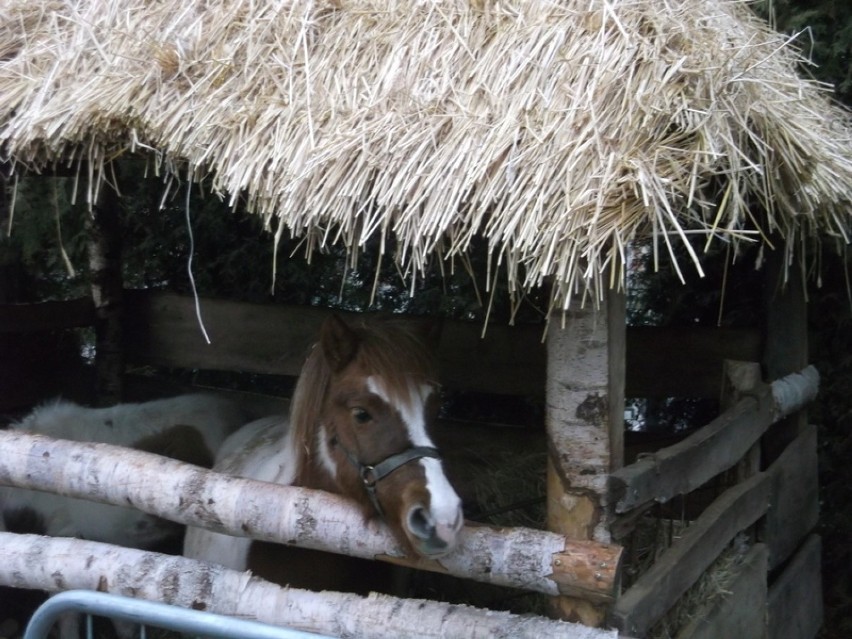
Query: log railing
(677, 470)
(534, 560)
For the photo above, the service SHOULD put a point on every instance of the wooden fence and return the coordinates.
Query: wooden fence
(774, 501)
(163, 330)
(782, 497)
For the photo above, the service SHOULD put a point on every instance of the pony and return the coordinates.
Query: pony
(358, 426)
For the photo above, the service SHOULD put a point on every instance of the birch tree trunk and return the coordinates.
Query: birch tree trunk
(517, 557)
(31, 561)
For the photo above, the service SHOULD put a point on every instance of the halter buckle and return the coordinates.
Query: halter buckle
(369, 476)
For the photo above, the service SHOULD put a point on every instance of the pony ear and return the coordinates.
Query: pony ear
(428, 330)
(338, 342)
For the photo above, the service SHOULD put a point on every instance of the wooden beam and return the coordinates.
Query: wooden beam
(534, 560)
(581, 393)
(741, 611)
(273, 339)
(741, 379)
(244, 337)
(617, 374)
(577, 422)
(46, 316)
(107, 286)
(795, 497)
(684, 562)
(56, 563)
(786, 330)
(795, 599)
(685, 466)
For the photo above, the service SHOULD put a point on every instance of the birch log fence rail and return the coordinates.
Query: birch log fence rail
(78, 564)
(535, 560)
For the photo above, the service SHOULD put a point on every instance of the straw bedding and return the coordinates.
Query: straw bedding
(559, 131)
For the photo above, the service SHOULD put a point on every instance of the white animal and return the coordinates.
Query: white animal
(188, 427)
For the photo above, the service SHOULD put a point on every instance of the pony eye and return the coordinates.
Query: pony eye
(361, 416)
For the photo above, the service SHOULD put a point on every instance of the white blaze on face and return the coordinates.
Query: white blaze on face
(445, 503)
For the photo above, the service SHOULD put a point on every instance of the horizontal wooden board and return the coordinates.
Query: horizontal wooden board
(795, 599)
(685, 466)
(46, 316)
(683, 563)
(795, 497)
(273, 339)
(685, 361)
(163, 329)
(510, 360)
(742, 610)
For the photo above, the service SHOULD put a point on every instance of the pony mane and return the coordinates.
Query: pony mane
(386, 348)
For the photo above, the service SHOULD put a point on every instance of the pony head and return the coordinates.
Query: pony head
(363, 406)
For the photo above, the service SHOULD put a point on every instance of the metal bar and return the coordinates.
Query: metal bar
(154, 613)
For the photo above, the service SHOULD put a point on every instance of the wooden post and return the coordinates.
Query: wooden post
(786, 345)
(740, 379)
(107, 287)
(585, 421)
(796, 504)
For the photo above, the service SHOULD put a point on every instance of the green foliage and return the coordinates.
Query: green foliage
(47, 238)
(824, 34)
(233, 255)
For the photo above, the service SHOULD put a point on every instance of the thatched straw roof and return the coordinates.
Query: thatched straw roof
(560, 131)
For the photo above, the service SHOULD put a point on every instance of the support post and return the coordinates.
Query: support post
(107, 289)
(584, 419)
(786, 345)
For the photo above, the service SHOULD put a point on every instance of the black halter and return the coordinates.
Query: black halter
(372, 474)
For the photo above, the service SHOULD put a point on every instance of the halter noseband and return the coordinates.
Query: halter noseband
(371, 474)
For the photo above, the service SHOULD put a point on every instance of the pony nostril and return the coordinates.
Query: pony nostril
(420, 523)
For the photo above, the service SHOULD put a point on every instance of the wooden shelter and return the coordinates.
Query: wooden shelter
(560, 133)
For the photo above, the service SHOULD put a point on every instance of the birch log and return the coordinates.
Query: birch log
(585, 423)
(31, 561)
(517, 557)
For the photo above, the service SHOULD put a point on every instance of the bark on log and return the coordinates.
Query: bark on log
(517, 557)
(30, 561)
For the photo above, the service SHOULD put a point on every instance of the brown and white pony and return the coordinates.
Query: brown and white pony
(358, 426)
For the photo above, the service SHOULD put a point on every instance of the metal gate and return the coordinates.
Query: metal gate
(153, 614)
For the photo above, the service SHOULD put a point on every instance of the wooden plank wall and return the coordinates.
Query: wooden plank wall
(741, 612)
(684, 562)
(795, 598)
(509, 360)
(162, 329)
(784, 496)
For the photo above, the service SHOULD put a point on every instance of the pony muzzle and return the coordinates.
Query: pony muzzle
(428, 534)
